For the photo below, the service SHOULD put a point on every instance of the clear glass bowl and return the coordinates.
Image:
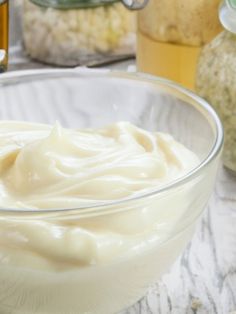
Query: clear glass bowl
(39, 272)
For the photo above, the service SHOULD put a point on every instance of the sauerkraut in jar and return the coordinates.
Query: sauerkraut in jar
(77, 32)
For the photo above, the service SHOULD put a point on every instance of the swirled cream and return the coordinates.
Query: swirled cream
(52, 167)
(92, 263)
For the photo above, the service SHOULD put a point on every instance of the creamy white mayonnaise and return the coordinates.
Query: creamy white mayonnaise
(52, 167)
(66, 263)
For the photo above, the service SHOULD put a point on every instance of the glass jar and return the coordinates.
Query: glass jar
(3, 35)
(171, 34)
(73, 32)
(216, 77)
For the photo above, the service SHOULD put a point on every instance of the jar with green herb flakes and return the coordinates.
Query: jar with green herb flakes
(216, 78)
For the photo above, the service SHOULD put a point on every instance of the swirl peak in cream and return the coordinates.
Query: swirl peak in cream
(52, 167)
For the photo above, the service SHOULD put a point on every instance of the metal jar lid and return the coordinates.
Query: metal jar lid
(83, 4)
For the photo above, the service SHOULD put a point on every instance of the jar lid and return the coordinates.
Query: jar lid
(83, 4)
(227, 15)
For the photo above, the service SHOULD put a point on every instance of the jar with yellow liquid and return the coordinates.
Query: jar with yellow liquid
(171, 34)
(3, 35)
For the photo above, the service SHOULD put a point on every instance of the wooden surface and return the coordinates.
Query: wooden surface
(203, 280)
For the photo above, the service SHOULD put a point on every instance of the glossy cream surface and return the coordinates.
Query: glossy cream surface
(46, 166)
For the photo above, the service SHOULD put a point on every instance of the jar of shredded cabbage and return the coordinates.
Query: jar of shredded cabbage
(73, 32)
(216, 78)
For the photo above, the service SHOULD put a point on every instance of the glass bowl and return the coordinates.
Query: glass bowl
(44, 260)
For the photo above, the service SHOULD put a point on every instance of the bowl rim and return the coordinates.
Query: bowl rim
(99, 208)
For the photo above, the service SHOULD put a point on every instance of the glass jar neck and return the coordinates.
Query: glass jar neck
(227, 15)
(231, 3)
(83, 4)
